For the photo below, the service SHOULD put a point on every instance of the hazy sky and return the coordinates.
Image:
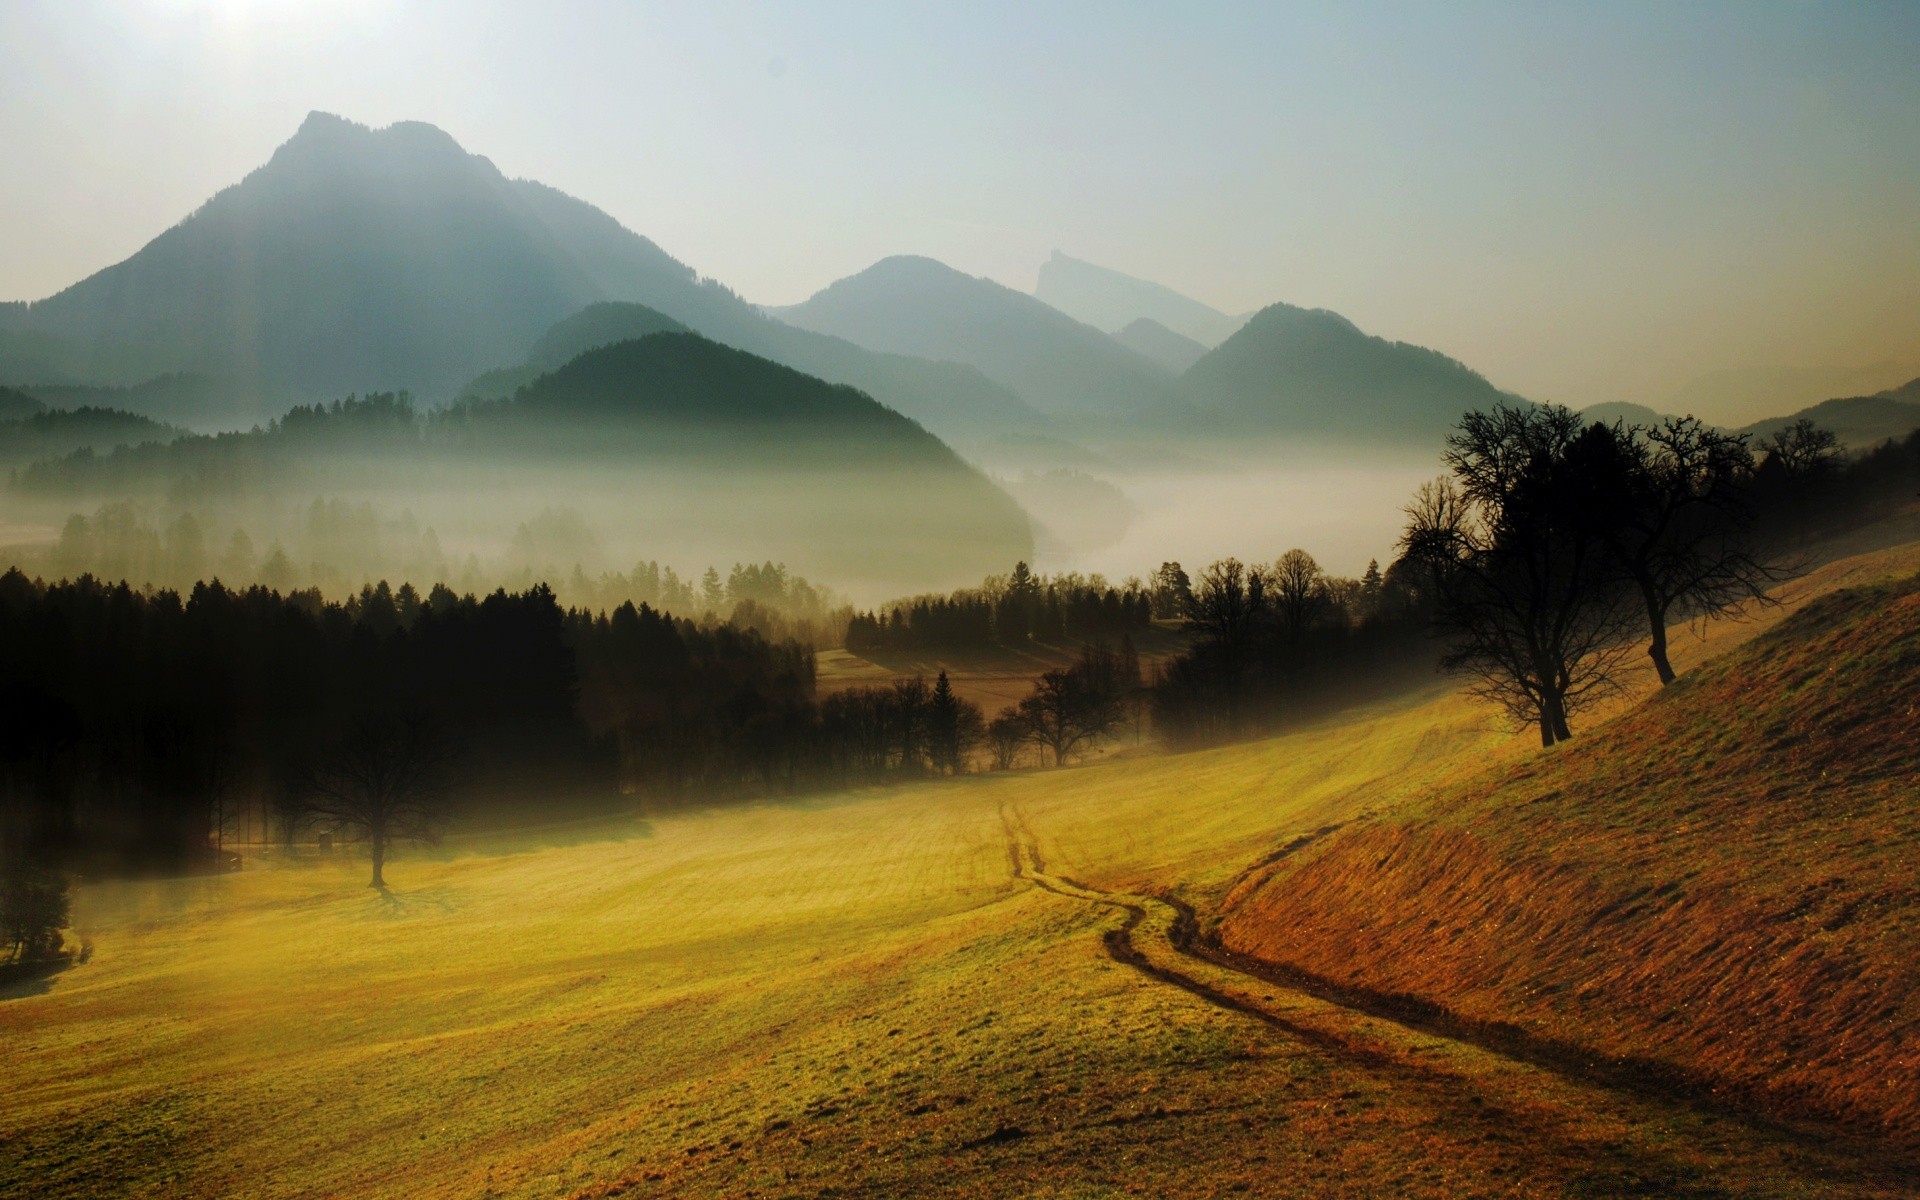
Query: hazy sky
(1584, 202)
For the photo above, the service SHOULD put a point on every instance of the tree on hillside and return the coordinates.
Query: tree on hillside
(1172, 592)
(1802, 450)
(1524, 585)
(954, 728)
(1670, 503)
(388, 780)
(1227, 602)
(1298, 584)
(1070, 708)
(34, 908)
(1006, 736)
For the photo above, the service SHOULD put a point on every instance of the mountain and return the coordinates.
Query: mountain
(954, 401)
(673, 439)
(1150, 339)
(176, 398)
(49, 434)
(362, 260)
(1298, 371)
(917, 306)
(1107, 299)
(1860, 421)
(1742, 394)
(1609, 411)
(15, 405)
(594, 326)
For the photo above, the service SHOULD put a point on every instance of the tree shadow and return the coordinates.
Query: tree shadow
(394, 905)
(20, 980)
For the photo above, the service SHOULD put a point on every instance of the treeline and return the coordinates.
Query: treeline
(1284, 641)
(142, 730)
(334, 536)
(1005, 612)
(1553, 552)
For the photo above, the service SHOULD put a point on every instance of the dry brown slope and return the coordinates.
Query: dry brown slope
(1719, 885)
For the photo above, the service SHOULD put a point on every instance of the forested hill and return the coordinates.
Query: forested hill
(1298, 371)
(678, 431)
(668, 386)
(363, 260)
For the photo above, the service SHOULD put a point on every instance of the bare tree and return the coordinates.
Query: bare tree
(1803, 449)
(1228, 602)
(1071, 708)
(1670, 503)
(1299, 586)
(1006, 735)
(387, 780)
(1524, 584)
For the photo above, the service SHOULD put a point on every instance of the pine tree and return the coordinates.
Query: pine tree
(943, 727)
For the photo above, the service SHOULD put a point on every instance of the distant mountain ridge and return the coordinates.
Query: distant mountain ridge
(918, 306)
(668, 425)
(1859, 421)
(1150, 339)
(1110, 300)
(1311, 372)
(359, 259)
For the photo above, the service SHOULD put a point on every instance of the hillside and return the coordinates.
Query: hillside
(1860, 421)
(596, 325)
(1309, 372)
(1610, 411)
(899, 991)
(1107, 299)
(1150, 339)
(670, 440)
(361, 260)
(17, 404)
(1711, 892)
(62, 431)
(916, 306)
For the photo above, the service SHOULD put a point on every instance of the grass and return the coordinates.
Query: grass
(851, 996)
(1718, 882)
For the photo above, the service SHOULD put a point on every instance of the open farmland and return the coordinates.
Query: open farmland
(958, 988)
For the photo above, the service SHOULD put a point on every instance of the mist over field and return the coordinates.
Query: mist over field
(1342, 505)
(989, 602)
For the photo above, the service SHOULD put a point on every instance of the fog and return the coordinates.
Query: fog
(1341, 504)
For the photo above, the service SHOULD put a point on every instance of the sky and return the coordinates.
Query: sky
(1584, 202)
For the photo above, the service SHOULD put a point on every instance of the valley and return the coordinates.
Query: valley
(976, 986)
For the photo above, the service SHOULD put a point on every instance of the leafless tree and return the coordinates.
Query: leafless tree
(1228, 602)
(1670, 503)
(1524, 584)
(1071, 708)
(1006, 736)
(1299, 586)
(388, 780)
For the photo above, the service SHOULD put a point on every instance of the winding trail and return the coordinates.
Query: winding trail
(1414, 1044)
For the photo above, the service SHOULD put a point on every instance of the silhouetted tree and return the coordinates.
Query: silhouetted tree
(1006, 735)
(1070, 708)
(34, 909)
(1172, 592)
(1803, 449)
(1523, 579)
(388, 780)
(1298, 584)
(954, 728)
(1670, 502)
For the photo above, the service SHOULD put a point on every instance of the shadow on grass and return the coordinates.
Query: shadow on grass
(23, 979)
(399, 905)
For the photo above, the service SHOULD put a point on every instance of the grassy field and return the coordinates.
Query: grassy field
(873, 994)
(1720, 881)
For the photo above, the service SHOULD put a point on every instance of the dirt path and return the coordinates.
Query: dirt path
(1564, 1097)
